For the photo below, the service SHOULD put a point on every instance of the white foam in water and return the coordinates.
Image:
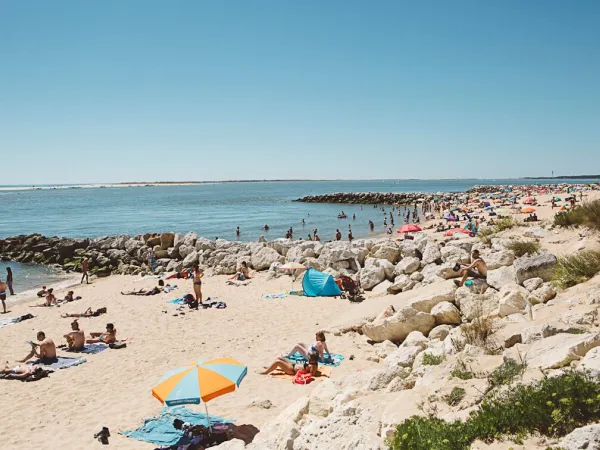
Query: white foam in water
(28, 279)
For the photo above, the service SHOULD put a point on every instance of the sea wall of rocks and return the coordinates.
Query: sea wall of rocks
(376, 198)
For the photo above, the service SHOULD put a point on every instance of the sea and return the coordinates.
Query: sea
(212, 209)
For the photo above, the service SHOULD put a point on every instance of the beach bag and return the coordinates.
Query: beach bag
(118, 345)
(302, 377)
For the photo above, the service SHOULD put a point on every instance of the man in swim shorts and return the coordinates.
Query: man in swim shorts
(46, 352)
(76, 338)
(3, 288)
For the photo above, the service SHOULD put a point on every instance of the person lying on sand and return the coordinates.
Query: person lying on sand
(88, 313)
(155, 290)
(311, 367)
(76, 338)
(46, 352)
(20, 372)
(319, 347)
(185, 275)
(109, 337)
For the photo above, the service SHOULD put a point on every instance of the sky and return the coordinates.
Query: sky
(146, 90)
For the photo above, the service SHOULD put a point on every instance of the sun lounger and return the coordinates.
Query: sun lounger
(159, 430)
(61, 362)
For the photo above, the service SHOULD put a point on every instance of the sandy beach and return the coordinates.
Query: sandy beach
(113, 388)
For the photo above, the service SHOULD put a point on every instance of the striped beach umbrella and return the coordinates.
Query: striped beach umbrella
(200, 382)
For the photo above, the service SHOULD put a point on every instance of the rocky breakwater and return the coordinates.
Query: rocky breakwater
(376, 198)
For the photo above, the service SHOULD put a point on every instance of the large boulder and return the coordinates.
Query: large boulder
(204, 244)
(473, 305)
(425, 302)
(281, 245)
(501, 277)
(185, 250)
(386, 250)
(333, 252)
(263, 259)
(431, 254)
(591, 362)
(587, 438)
(167, 240)
(555, 351)
(535, 266)
(542, 294)
(409, 248)
(374, 272)
(415, 339)
(440, 332)
(190, 239)
(408, 265)
(453, 254)
(513, 300)
(403, 356)
(399, 284)
(500, 258)
(396, 327)
(446, 313)
(532, 284)
(190, 259)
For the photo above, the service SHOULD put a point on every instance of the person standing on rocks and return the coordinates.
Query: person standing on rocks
(151, 259)
(9, 280)
(84, 270)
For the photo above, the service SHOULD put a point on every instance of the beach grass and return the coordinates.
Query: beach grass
(577, 268)
(505, 223)
(522, 248)
(587, 214)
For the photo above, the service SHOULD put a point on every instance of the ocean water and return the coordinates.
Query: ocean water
(29, 278)
(211, 210)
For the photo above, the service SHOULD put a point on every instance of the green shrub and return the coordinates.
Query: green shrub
(552, 407)
(461, 371)
(485, 235)
(577, 268)
(504, 224)
(506, 373)
(587, 214)
(432, 360)
(522, 248)
(479, 332)
(454, 397)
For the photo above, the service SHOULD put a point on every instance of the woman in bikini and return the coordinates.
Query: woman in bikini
(319, 347)
(198, 274)
(289, 368)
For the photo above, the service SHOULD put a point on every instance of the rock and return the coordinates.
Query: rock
(446, 313)
(174, 266)
(161, 254)
(587, 438)
(233, 444)
(542, 294)
(415, 339)
(263, 259)
(396, 327)
(440, 332)
(387, 250)
(501, 277)
(320, 403)
(431, 254)
(535, 232)
(591, 362)
(400, 282)
(513, 300)
(532, 284)
(479, 305)
(534, 333)
(383, 349)
(403, 357)
(446, 271)
(382, 288)
(167, 240)
(425, 302)
(381, 378)
(500, 258)
(430, 274)
(535, 266)
(204, 244)
(453, 254)
(190, 239)
(190, 259)
(185, 250)
(555, 351)
(416, 276)
(374, 272)
(281, 432)
(409, 249)
(407, 266)
(281, 245)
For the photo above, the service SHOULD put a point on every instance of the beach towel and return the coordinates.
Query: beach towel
(238, 283)
(177, 301)
(159, 430)
(280, 295)
(336, 359)
(322, 374)
(90, 349)
(62, 362)
(170, 288)
(12, 320)
(300, 293)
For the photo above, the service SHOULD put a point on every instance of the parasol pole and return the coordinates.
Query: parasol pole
(207, 417)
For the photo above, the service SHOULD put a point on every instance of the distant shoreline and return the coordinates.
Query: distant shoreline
(195, 183)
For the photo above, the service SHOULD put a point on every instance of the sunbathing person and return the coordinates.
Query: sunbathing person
(50, 299)
(70, 297)
(155, 290)
(20, 372)
(477, 269)
(46, 352)
(243, 274)
(109, 337)
(76, 338)
(185, 274)
(319, 347)
(88, 313)
(289, 368)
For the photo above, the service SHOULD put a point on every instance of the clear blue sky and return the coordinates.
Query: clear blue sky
(119, 90)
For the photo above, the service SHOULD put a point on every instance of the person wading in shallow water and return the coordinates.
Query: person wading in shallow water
(9, 280)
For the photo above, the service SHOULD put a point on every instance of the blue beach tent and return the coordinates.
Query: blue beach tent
(319, 284)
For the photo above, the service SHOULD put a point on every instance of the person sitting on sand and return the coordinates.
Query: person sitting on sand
(109, 337)
(88, 313)
(20, 372)
(50, 297)
(46, 352)
(319, 347)
(243, 274)
(43, 292)
(76, 338)
(477, 269)
(289, 368)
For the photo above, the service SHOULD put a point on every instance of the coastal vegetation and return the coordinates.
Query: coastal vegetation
(506, 373)
(587, 214)
(504, 224)
(554, 406)
(577, 268)
(455, 396)
(461, 371)
(432, 360)
(485, 235)
(522, 248)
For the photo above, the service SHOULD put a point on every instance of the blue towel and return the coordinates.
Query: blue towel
(170, 288)
(177, 301)
(90, 349)
(337, 359)
(159, 430)
(62, 362)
